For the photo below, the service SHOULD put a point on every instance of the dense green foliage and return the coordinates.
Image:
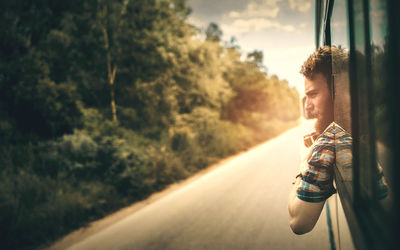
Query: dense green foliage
(103, 102)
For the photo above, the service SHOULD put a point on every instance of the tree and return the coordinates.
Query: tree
(232, 44)
(258, 98)
(36, 102)
(256, 57)
(213, 32)
(118, 45)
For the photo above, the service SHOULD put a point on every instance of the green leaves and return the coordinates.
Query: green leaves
(213, 32)
(259, 98)
(106, 101)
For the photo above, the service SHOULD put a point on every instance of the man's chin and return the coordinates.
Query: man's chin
(310, 116)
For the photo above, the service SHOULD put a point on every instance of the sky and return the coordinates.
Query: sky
(282, 29)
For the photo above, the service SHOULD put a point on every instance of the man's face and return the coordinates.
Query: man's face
(318, 102)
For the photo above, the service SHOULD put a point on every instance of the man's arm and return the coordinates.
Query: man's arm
(314, 184)
(303, 215)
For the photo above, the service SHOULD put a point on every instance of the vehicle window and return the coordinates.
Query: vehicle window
(381, 118)
(342, 117)
(365, 165)
(320, 11)
(341, 90)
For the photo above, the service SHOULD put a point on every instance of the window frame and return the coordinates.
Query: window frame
(362, 213)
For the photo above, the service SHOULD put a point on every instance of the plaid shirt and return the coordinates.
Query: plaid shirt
(332, 147)
(316, 171)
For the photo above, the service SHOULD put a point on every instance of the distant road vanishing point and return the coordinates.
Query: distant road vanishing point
(241, 204)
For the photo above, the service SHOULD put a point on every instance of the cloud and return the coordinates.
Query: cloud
(257, 8)
(300, 5)
(254, 25)
(197, 22)
(303, 25)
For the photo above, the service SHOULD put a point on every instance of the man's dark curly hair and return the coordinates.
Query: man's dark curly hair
(321, 62)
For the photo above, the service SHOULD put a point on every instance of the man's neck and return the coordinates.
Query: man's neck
(321, 125)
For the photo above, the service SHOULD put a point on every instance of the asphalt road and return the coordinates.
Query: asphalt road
(242, 204)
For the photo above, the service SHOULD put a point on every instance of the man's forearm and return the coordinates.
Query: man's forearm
(303, 215)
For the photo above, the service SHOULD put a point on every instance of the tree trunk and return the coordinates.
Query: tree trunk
(111, 75)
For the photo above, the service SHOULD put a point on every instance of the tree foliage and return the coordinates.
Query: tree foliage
(28, 92)
(256, 57)
(105, 101)
(213, 32)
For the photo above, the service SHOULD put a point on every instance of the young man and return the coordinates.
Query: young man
(314, 184)
(330, 144)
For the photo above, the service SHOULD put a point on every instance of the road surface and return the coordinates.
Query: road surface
(241, 204)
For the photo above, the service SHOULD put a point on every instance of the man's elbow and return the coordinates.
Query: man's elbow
(299, 227)
(303, 215)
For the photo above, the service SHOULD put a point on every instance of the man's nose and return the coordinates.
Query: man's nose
(308, 104)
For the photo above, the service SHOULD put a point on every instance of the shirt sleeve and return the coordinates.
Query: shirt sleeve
(316, 173)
